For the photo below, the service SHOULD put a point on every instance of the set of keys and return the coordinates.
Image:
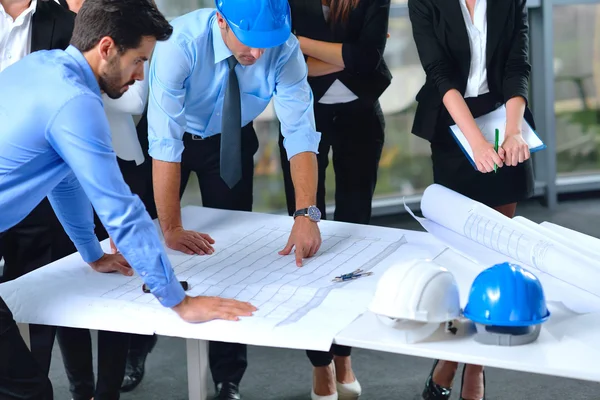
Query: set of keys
(352, 275)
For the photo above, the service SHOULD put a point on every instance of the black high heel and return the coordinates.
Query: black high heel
(462, 381)
(432, 390)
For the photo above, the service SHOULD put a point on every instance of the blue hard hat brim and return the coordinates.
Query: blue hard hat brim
(484, 321)
(262, 39)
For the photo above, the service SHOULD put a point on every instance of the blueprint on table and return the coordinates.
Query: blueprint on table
(297, 307)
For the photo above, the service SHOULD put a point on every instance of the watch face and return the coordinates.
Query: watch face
(314, 213)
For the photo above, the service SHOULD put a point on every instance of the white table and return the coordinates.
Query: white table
(567, 347)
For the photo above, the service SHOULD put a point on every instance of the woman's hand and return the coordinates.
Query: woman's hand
(485, 156)
(515, 148)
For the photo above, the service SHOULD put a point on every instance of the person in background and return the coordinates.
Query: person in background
(343, 42)
(27, 26)
(475, 55)
(131, 149)
(71, 159)
(76, 344)
(208, 83)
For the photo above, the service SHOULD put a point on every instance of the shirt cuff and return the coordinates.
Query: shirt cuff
(297, 143)
(171, 294)
(91, 251)
(165, 149)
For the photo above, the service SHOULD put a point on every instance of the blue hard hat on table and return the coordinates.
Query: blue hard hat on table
(259, 24)
(507, 295)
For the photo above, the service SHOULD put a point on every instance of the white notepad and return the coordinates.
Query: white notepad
(488, 124)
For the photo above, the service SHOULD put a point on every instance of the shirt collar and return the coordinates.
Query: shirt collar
(220, 49)
(25, 14)
(90, 79)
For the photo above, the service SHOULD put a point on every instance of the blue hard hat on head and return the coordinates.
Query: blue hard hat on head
(507, 295)
(259, 24)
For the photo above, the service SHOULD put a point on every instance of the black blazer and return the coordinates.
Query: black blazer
(364, 37)
(443, 45)
(52, 26)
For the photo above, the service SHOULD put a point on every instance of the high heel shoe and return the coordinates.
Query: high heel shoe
(348, 391)
(333, 396)
(463, 380)
(432, 390)
(315, 396)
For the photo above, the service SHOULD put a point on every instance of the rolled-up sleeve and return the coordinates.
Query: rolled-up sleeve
(517, 68)
(293, 100)
(433, 59)
(364, 55)
(75, 213)
(171, 66)
(85, 145)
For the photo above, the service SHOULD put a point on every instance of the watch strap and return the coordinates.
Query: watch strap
(301, 213)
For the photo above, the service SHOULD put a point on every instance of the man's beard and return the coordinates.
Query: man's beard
(110, 81)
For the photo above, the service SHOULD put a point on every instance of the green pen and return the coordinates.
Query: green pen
(496, 148)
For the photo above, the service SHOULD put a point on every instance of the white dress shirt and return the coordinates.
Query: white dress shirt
(120, 112)
(477, 32)
(15, 36)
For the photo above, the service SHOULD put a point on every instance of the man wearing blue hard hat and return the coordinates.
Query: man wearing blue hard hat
(216, 74)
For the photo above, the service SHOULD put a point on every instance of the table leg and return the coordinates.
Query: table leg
(198, 371)
(24, 331)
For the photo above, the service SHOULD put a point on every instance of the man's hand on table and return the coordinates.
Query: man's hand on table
(202, 309)
(112, 263)
(306, 237)
(189, 242)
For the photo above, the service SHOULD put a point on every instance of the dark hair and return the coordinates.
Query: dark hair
(125, 21)
(339, 10)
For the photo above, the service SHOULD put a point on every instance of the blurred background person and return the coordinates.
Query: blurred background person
(25, 27)
(343, 42)
(76, 344)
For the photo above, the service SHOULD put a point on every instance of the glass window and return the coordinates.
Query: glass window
(405, 166)
(577, 85)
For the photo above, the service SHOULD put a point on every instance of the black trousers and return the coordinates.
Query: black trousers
(354, 132)
(21, 376)
(228, 361)
(76, 348)
(33, 243)
(113, 347)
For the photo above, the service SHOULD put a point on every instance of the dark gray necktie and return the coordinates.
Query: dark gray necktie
(231, 129)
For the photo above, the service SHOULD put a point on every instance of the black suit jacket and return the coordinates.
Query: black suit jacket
(442, 42)
(52, 26)
(364, 37)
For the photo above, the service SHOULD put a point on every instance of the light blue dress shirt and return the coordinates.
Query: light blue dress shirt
(55, 141)
(188, 75)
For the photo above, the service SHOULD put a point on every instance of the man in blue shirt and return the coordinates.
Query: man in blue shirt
(55, 141)
(215, 75)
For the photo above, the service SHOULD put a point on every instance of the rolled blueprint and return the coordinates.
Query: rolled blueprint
(522, 242)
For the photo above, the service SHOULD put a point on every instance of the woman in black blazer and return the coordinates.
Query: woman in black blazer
(343, 42)
(475, 56)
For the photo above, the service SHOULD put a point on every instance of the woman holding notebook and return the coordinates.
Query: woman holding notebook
(475, 57)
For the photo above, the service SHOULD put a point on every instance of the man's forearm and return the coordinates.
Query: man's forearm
(305, 176)
(166, 178)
